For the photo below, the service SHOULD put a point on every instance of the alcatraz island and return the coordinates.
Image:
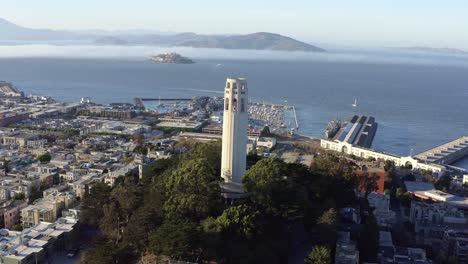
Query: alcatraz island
(171, 58)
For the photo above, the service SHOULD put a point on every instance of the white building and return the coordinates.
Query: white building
(344, 147)
(235, 123)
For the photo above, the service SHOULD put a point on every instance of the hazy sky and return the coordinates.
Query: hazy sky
(437, 23)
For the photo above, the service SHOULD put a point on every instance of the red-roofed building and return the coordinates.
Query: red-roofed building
(380, 181)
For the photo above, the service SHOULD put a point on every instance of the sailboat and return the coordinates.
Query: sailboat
(160, 104)
(355, 102)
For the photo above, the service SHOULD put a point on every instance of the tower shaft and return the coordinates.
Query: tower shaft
(235, 125)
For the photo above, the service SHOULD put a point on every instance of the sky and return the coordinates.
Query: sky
(435, 23)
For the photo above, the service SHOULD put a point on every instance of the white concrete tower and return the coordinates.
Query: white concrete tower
(235, 125)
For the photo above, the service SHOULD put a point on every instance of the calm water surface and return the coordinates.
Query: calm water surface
(417, 106)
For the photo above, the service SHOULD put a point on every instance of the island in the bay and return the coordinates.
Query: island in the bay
(171, 57)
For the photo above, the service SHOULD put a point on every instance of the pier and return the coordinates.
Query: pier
(139, 102)
(286, 107)
(295, 117)
(165, 99)
(358, 130)
(447, 153)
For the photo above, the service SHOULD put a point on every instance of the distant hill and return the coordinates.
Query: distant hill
(10, 32)
(255, 41)
(110, 41)
(436, 50)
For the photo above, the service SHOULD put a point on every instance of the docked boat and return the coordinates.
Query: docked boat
(332, 128)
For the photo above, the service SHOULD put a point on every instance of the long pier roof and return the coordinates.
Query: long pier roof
(442, 151)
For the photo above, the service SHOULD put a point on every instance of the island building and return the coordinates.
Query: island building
(234, 140)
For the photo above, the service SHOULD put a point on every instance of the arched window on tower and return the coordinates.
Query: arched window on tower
(242, 105)
(226, 104)
(234, 104)
(228, 85)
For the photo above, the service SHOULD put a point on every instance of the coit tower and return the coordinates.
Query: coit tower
(235, 124)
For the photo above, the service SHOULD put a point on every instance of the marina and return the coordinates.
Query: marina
(279, 118)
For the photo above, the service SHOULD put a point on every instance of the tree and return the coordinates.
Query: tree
(329, 218)
(270, 188)
(93, 203)
(403, 196)
(265, 132)
(6, 166)
(389, 165)
(110, 223)
(240, 220)
(36, 192)
(17, 227)
(444, 182)
(253, 158)
(44, 158)
(102, 252)
(19, 196)
(327, 225)
(176, 239)
(368, 242)
(192, 191)
(368, 183)
(319, 255)
(141, 223)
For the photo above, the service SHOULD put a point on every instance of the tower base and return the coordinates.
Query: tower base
(231, 191)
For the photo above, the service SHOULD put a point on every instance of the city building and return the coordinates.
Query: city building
(432, 220)
(389, 253)
(12, 213)
(22, 140)
(415, 164)
(47, 209)
(234, 142)
(346, 251)
(456, 244)
(36, 244)
(381, 204)
(426, 191)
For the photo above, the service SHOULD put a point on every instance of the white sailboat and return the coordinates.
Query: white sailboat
(355, 102)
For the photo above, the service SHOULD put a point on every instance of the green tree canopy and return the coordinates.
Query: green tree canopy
(268, 186)
(368, 183)
(265, 132)
(319, 255)
(329, 218)
(443, 183)
(177, 239)
(19, 196)
(44, 158)
(240, 220)
(192, 190)
(93, 203)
